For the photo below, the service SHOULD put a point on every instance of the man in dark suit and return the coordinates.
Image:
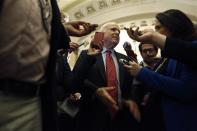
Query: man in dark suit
(101, 101)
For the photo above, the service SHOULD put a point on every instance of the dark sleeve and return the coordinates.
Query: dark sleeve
(1, 5)
(182, 88)
(126, 78)
(138, 91)
(64, 76)
(183, 51)
(47, 93)
(91, 86)
(59, 37)
(81, 69)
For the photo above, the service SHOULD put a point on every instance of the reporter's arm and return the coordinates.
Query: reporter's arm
(79, 28)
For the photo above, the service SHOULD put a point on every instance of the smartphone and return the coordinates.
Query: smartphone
(123, 61)
(98, 37)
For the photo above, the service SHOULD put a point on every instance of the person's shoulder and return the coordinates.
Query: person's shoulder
(120, 54)
(84, 52)
(194, 41)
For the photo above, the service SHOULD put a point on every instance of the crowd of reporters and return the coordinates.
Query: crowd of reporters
(158, 94)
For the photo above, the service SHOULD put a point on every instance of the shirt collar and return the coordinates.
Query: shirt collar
(105, 49)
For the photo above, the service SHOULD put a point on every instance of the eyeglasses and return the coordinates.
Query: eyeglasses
(148, 50)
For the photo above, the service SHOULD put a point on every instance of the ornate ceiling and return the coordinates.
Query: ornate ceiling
(125, 12)
(117, 9)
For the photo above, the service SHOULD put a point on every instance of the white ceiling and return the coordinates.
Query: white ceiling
(124, 12)
(66, 4)
(105, 10)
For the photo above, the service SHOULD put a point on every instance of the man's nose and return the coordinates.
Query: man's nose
(150, 53)
(117, 32)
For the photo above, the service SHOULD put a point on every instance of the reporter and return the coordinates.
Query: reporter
(177, 82)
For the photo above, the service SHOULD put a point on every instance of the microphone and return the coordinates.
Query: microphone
(130, 53)
(127, 46)
(123, 61)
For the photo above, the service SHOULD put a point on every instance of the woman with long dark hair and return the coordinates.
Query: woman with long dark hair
(177, 82)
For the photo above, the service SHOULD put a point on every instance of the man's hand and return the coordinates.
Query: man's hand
(73, 46)
(133, 108)
(133, 68)
(147, 36)
(106, 98)
(95, 50)
(75, 96)
(79, 28)
(140, 36)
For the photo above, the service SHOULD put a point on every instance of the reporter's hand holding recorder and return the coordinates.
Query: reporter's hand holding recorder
(96, 44)
(145, 36)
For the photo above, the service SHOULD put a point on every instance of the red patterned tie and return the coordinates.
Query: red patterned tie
(111, 75)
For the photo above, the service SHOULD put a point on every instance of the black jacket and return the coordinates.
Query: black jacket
(183, 51)
(90, 70)
(59, 39)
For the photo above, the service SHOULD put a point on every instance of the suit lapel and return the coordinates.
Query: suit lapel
(101, 67)
(121, 69)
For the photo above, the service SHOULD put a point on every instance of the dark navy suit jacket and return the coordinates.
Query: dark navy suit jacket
(91, 76)
(184, 51)
(178, 88)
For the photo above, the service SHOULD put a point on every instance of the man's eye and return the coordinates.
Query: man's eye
(157, 27)
(114, 29)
